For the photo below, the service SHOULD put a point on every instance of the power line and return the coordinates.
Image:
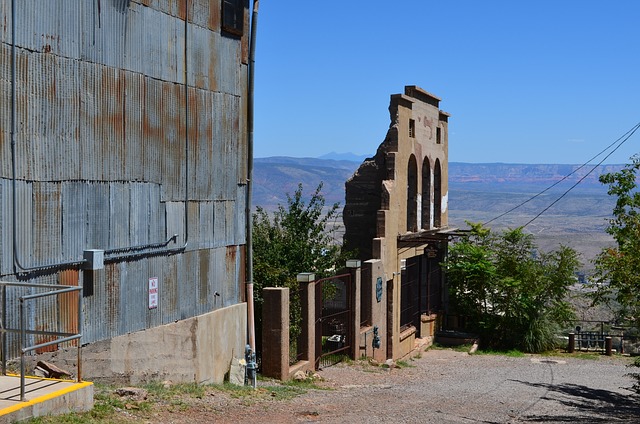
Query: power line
(631, 132)
(620, 141)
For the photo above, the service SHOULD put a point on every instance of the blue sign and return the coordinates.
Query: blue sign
(379, 289)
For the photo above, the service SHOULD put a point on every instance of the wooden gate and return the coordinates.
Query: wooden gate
(334, 320)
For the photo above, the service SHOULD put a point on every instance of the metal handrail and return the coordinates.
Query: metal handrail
(61, 337)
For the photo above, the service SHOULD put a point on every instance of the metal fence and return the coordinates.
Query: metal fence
(334, 319)
(41, 317)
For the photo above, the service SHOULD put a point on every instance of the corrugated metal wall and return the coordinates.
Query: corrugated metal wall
(101, 158)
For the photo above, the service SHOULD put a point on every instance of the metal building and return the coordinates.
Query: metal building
(123, 131)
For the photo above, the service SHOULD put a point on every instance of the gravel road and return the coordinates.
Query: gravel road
(444, 386)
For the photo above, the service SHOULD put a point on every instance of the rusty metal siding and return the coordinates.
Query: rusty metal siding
(47, 221)
(119, 216)
(6, 234)
(101, 154)
(74, 211)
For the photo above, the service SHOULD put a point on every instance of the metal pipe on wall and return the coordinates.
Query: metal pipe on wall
(249, 225)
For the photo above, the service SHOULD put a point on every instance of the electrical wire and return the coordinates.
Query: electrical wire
(631, 132)
(627, 135)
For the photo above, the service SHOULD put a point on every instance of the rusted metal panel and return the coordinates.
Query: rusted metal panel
(6, 229)
(170, 290)
(68, 304)
(139, 213)
(157, 215)
(5, 111)
(133, 296)
(24, 222)
(158, 54)
(188, 275)
(47, 222)
(97, 206)
(206, 220)
(203, 294)
(240, 233)
(219, 234)
(132, 167)
(119, 215)
(231, 288)
(74, 217)
(103, 27)
(88, 116)
(37, 31)
(175, 221)
(216, 283)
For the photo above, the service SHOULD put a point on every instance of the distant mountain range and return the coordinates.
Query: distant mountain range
(276, 176)
(477, 193)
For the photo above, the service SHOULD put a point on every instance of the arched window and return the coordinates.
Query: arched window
(437, 194)
(426, 194)
(412, 195)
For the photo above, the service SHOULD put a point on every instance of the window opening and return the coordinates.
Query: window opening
(233, 16)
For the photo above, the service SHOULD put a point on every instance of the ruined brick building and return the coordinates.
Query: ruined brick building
(396, 217)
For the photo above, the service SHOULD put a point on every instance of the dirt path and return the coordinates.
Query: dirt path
(442, 386)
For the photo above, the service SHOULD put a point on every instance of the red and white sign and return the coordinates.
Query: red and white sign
(153, 292)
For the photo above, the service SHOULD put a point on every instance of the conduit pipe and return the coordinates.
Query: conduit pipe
(248, 217)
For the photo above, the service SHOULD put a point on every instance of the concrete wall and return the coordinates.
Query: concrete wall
(197, 349)
(373, 268)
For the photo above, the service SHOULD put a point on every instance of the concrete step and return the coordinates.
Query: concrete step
(43, 396)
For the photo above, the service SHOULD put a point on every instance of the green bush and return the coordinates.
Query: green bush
(511, 295)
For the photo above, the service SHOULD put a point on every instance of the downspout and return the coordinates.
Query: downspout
(248, 217)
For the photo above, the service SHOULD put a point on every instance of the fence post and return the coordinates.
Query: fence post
(308, 305)
(275, 332)
(572, 343)
(354, 266)
(608, 345)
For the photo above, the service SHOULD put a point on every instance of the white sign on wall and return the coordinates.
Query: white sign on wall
(153, 292)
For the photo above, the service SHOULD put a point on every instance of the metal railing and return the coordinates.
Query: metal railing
(55, 337)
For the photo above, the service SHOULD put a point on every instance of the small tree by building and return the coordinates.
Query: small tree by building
(510, 294)
(295, 238)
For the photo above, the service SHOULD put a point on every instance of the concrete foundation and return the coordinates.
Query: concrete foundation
(198, 349)
(43, 397)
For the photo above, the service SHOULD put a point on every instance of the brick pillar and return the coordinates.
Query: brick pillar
(275, 332)
(308, 304)
(355, 269)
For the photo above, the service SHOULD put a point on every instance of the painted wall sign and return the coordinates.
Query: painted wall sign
(153, 292)
(379, 289)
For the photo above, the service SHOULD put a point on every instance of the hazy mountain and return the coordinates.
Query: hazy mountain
(278, 175)
(344, 156)
(477, 193)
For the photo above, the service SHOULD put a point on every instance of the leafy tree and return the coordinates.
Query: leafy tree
(617, 276)
(296, 238)
(510, 296)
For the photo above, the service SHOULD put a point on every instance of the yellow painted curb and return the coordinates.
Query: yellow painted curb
(20, 405)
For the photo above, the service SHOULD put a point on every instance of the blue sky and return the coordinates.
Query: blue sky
(525, 81)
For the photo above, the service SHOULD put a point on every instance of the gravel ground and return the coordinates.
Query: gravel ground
(445, 386)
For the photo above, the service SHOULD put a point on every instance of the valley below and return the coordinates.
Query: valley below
(477, 193)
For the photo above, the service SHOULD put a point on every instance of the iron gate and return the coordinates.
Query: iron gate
(334, 319)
